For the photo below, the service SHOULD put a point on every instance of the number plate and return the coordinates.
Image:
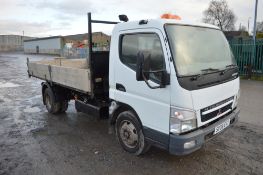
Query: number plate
(222, 126)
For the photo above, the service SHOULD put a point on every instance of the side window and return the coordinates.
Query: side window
(129, 50)
(147, 43)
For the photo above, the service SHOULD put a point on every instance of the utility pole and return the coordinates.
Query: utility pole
(255, 23)
(23, 35)
(254, 36)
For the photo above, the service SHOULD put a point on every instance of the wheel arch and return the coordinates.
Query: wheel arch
(121, 107)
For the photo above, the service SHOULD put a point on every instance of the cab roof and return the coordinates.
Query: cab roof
(159, 23)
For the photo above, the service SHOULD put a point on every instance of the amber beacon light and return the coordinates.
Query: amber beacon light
(170, 16)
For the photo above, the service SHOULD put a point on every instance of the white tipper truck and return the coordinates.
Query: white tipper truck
(164, 83)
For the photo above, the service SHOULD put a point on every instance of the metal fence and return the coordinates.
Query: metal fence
(74, 53)
(80, 52)
(249, 57)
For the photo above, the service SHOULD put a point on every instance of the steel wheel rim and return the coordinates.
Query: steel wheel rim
(128, 134)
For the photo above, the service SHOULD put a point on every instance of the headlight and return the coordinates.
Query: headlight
(182, 120)
(236, 99)
(238, 94)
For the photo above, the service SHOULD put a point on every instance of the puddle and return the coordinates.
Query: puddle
(40, 131)
(32, 109)
(8, 85)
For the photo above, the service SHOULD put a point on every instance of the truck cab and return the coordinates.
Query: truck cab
(172, 84)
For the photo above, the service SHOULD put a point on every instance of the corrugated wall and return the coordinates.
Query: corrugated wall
(43, 46)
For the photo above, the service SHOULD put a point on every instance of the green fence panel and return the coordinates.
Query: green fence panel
(248, 55)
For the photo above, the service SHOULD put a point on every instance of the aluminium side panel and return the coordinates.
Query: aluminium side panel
(74, 78)
(71, 77)
(39, 70)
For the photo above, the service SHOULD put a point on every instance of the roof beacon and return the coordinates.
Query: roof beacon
(170, 16)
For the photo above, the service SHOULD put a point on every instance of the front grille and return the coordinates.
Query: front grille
(217, 112)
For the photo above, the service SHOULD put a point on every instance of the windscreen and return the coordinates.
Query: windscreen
(197, 48)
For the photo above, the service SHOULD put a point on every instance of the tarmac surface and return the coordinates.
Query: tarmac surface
(33, 141)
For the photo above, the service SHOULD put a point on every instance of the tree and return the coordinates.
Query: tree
(218, 13)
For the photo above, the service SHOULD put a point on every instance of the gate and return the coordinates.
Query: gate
(249, 57)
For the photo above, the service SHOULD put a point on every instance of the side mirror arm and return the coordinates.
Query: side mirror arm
(148, 84)
(164, 81)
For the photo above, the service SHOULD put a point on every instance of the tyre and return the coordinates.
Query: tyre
(52, 106)
(64, 106)
(129, 133)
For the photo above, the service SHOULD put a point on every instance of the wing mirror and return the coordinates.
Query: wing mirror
(143, 72)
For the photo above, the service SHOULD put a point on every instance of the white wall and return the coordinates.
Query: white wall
(46, 46)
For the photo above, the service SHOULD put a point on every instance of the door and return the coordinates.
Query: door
(37, 49)
(151, 105)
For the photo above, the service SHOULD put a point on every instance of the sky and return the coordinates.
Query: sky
(41, 18)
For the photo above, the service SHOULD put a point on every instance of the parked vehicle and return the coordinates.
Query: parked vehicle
(164, 82)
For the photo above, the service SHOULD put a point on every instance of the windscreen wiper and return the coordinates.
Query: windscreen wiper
(197, 76)
(209, 70)
(229, 67)
(192, 77)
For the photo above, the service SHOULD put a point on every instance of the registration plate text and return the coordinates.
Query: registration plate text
(222, 126)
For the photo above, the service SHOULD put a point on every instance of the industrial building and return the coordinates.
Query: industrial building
(12, 42)
(49, 45)
(57, 45)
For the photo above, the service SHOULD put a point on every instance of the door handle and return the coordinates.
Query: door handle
(120, 87)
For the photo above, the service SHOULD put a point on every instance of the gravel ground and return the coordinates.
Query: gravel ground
(35, 142)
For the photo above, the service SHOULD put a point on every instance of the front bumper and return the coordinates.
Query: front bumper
(200, 136)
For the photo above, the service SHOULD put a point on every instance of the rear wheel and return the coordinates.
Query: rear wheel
(129, 133)
(52, 106)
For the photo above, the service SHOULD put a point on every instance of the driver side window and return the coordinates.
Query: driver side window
(149, 45)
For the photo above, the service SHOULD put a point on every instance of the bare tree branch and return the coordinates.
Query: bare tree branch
(218, 13)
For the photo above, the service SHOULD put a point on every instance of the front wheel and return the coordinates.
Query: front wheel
(129, 133)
